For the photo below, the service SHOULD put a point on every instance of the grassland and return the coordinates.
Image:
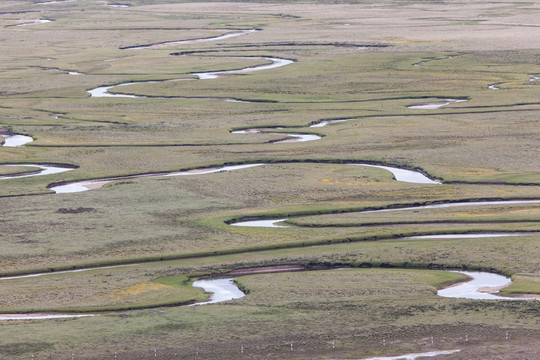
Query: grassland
(361, 61)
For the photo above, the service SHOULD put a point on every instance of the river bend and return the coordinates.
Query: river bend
(482, 286)
(45, 170)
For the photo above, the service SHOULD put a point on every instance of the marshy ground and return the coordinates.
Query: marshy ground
(446, 89)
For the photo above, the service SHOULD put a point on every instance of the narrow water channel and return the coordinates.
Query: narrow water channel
(414, 356)
(103, 91)
(85, 185)
(481, 286)
(45, 170)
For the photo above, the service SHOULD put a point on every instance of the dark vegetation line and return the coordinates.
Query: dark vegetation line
(19, 12)
(421, 97)
(434, 222)
(242, 48)
(497, 106)
(455, 182)
(276, 127)
(292, 245)
(431, 113)
(187, 144)
(173, 41)
(292, 214)
(261, 267)
(162, 28)
(292, 43)
(247, 162)
(23, 124)
(44, 164)
(145, 145)
(231, 48)
(254, 249)
(165, 97)
(21, 195)
(352, 118)
(275, 161)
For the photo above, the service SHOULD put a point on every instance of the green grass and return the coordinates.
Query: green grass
(16, 170)
(523, 284)
(186, 215)
(484, 148)
(345, 306)
(166, 282)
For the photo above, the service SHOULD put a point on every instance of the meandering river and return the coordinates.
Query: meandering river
(221, 289)
(482, 286)
(435, 105)
(85, 185)
(103, 91)
(273, 222)
(293, 137)
(45, 170)
(192, 41)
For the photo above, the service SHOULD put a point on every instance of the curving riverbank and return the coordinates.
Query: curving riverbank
(265, 222)
(190, 41)
(276, 63)
(480, 286)
(435, 105)
(293, 137)
(45, 170)
(34, 22)
(85, 185)
(220, 289)
(103, 91)
(40, 316)
(16, 140)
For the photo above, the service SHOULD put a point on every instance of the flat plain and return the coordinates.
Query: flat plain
(447, 89)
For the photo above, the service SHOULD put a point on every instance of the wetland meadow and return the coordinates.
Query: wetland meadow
(323, 180)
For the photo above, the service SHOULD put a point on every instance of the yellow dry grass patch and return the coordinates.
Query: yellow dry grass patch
(137, 289)
(463, 214)
(474, 173)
